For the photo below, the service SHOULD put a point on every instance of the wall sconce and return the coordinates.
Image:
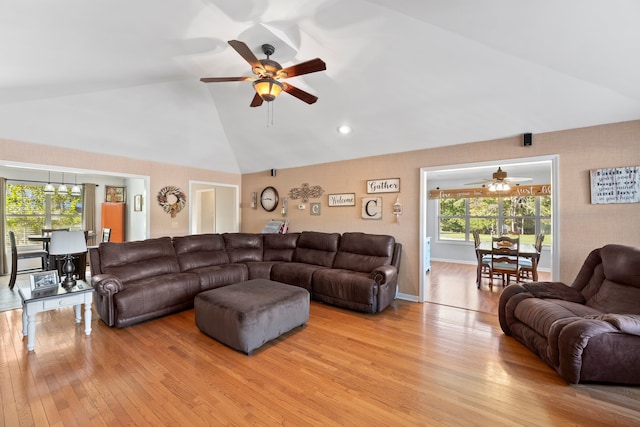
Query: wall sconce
(285, 203)
(254, 200)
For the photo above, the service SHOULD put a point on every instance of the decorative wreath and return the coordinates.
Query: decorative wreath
(172, 200)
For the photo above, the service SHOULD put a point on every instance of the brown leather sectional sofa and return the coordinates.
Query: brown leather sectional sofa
(142, 280)
(589, 331)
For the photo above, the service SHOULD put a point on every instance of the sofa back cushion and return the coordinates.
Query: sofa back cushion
(616, 281)
(316, 248)
(200, 250)
(279, 247)
(138, 260)
(243, 247)
(613, 297)
(364, 252)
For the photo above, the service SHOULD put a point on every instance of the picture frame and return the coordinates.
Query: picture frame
(44, 280)
(387, 185)
(114, 194)
(342, 199)
(315, 209)
(137, 202)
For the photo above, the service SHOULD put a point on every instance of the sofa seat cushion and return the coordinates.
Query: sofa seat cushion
(346, 288)
(154, 296)
(295, 273)
(539, 314)
(221, 275)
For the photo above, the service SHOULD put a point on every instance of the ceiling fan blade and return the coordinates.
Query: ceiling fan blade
(306, 67)
(256, 101)
(484, 181)
(245, 52)
(517, 179)
(225, 79)
(299, 93)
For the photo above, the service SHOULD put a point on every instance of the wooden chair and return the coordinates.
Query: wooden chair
(526, 264)
(16, 256)
(486, 259)
(505, 258)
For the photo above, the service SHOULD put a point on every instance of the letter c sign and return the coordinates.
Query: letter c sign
(372, 208)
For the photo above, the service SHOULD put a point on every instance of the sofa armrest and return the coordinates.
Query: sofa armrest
(106, 284)
(384, 274)
(572, 341)
(105, 287)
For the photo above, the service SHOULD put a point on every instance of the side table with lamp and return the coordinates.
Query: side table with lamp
(71, 292)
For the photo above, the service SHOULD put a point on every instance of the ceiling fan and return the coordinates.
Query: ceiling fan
(500, 181)
(269, 72)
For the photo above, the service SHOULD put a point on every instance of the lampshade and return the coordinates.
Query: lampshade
(267, 88)
(67, 242)
(75, 190)
(49, 189)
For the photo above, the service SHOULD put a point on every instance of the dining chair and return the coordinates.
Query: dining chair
(505, 258)
(486, 259)
(526, 264)
(18, 255)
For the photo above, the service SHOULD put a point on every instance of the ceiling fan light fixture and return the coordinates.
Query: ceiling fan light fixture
(268, 88)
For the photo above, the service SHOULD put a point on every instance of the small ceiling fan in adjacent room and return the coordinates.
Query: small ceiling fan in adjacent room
(500, 181)
(269, 73)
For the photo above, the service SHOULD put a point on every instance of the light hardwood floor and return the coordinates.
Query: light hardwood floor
(414, 364)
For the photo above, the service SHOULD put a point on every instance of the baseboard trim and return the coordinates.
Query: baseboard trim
(407, 297)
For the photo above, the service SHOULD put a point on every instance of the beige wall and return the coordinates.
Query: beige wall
(160, 175)
(582, 226)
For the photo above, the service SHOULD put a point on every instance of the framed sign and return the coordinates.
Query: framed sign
(372, 208)
(114, 194)
(615, 185)
(390, 185)
(344, 199)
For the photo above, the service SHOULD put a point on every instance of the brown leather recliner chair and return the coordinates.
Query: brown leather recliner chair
(589, 331)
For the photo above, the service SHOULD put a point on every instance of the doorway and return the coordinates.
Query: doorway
(466, 173)
(214, 208)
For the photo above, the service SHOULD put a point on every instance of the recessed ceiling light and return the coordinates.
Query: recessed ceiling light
(344, 129)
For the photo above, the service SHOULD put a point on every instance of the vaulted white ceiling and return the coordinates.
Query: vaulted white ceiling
(122, 77)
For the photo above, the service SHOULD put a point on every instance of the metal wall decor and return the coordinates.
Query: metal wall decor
(305, 192)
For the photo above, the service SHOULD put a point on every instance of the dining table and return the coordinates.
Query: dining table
(527, 250)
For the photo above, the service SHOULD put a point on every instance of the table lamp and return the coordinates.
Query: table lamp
(67, 243)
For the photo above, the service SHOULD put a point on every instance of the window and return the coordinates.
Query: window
(523, 215)
(28, 210)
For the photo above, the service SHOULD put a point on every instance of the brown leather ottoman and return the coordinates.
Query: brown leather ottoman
(248, 314)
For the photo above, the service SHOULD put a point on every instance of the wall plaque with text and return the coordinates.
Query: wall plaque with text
(615, 185)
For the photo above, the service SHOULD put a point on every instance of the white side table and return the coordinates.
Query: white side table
(36, 302)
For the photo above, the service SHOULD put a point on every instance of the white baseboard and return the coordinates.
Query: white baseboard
(407, 297)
